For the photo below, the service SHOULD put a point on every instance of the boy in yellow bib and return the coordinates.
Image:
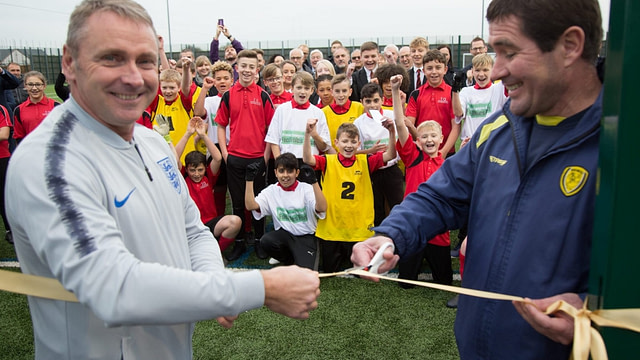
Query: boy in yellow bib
(346, 184)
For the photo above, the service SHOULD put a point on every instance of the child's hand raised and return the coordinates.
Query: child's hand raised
(208, 82)
(396, 81)
(311, 126)
(201, 127)
(186, 63)
(193, 123)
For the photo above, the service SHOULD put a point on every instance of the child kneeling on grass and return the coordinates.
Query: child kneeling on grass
(295, 203)
(201, 181)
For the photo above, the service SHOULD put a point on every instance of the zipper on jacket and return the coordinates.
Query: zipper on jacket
(146, 169)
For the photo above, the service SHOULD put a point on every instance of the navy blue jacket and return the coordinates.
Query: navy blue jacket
(530, 227)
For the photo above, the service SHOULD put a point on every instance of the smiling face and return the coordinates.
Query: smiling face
(417, 55)
(372, 103)
(196, 173)
(286, 177)
(535, 80)
(275, 83)
(297, 56)
(482, 75)
(204, 69)
(341, 92)
(429, 140)
(341, 58)
(347, 145)
(35, 87)
(288, 71)
(247, 70)
(370, 59)
(169, 90)
(434, 71)
(113, 72)
(405, 57)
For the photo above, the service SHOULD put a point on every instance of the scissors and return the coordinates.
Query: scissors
(375, 262)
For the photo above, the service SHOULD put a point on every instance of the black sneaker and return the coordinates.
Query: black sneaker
(9, 237)
(453, 302)
(249, 238)
(260, 253)
(239, 247)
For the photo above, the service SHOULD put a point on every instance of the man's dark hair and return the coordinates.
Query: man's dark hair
(545, 20)
(286, 160)
(368, 45)
(195, 158)
(369, 90)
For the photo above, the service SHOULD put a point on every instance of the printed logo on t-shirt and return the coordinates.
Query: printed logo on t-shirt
(292, 215)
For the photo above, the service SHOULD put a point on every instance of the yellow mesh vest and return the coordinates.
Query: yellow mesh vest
(334, 120)
(350, 201)
(179, 119)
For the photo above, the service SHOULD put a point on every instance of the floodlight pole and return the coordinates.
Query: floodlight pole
(169, 27)
(481, 21)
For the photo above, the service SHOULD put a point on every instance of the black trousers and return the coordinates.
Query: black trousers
(336, 255)
(439, 260)
(387, 187)
(291, 249)
(236, 170)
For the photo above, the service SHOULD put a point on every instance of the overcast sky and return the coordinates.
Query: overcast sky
(43, 23)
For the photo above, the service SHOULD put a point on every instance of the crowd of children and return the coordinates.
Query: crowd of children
(326, 151)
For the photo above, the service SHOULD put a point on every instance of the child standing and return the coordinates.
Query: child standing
(295, 203)
(28, 115)
(247, 110)
(480, 100)
(434, 100)
(387, 181)
(286, 132)
(341, 109)
(272, 75)
(175, 103)
(201, 180)
(346, 184)
(421, 159)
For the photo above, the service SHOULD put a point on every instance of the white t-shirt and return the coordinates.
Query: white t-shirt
(478, 104)
(293, 211)
(371, 131)
(288, 126)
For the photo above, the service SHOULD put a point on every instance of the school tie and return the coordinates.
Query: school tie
(418, 78)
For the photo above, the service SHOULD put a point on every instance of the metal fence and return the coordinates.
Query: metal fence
(48, 60)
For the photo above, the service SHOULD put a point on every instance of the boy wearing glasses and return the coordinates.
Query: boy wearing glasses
(28, 115)
(272, 75)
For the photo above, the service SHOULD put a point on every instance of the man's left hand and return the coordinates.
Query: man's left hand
(557, 327)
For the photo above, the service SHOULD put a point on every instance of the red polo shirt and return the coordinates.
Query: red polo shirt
(248, 112)
(432, 103)
(29, 115)
(5, 121)
(282, 98)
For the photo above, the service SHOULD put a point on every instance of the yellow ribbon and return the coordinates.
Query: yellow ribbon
(586, 340)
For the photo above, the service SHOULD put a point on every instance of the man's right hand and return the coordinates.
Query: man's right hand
(291, 291)
(364, 251)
